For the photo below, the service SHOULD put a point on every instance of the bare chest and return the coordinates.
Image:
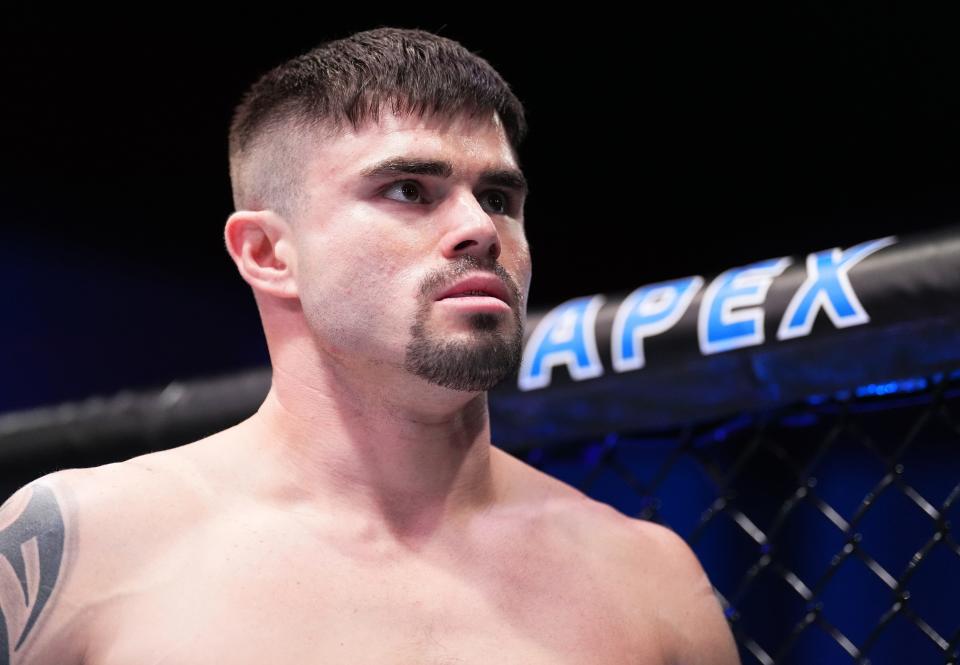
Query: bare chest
(256, 603)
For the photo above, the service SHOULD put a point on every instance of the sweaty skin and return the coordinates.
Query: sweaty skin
(362, 515)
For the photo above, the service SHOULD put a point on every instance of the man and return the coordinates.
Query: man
(361, 515)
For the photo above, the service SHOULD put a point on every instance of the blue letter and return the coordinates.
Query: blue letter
(719, 326)
(828, 286)
(648, 311)
(565, 336)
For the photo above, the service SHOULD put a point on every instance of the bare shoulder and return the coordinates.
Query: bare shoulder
(36, 619)
(691, 623)
(649, 569)
(127, 508)
(62, 536)
(615, 536)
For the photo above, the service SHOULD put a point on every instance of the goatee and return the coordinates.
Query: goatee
(482, 360)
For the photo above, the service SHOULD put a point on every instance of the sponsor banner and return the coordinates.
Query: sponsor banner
(720, 336)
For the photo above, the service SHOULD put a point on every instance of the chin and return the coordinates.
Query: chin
(476, 364)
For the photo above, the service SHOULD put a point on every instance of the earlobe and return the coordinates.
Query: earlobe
(259, 244)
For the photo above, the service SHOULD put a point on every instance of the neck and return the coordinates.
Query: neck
(406, 455)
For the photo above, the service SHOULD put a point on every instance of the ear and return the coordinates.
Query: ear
(260, 244)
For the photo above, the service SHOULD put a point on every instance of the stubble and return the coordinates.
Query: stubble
(478, 362)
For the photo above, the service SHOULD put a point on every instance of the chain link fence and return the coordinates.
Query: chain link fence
(825, 526)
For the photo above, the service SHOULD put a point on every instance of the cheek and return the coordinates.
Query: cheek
(366, 287)
(348, 260)
(516, 258)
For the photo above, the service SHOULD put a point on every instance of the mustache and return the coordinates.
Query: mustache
(441, 278)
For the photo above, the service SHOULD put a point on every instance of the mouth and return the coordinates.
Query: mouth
(477, 288)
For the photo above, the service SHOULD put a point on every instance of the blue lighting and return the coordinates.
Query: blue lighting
(895, 387)
(892, 387)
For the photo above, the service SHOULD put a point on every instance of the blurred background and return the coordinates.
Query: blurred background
(680, 143)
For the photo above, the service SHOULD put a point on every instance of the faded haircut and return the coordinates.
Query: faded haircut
(349, 82)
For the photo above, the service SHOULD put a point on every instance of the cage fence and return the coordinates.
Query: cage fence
(825, 525)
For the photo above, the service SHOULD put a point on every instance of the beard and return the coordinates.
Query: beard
(477, 363)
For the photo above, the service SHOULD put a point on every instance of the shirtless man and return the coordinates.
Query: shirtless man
(361, 516)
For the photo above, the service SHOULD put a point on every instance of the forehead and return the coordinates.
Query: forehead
(471, 145)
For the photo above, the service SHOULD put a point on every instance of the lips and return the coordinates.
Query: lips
(477, 286)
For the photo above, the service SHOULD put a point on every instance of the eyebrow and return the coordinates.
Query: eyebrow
(506, 178)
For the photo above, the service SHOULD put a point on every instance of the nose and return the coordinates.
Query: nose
(471, 230)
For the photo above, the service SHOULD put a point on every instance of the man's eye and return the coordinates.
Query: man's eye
(407, 191)
(498, 201)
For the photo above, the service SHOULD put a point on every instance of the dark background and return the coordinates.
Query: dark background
(659, 147)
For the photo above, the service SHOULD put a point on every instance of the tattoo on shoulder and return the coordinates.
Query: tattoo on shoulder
(31, 547)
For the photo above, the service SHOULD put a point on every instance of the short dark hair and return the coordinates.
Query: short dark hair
(351, 81)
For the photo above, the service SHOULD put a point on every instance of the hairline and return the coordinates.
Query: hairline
(292, 135)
